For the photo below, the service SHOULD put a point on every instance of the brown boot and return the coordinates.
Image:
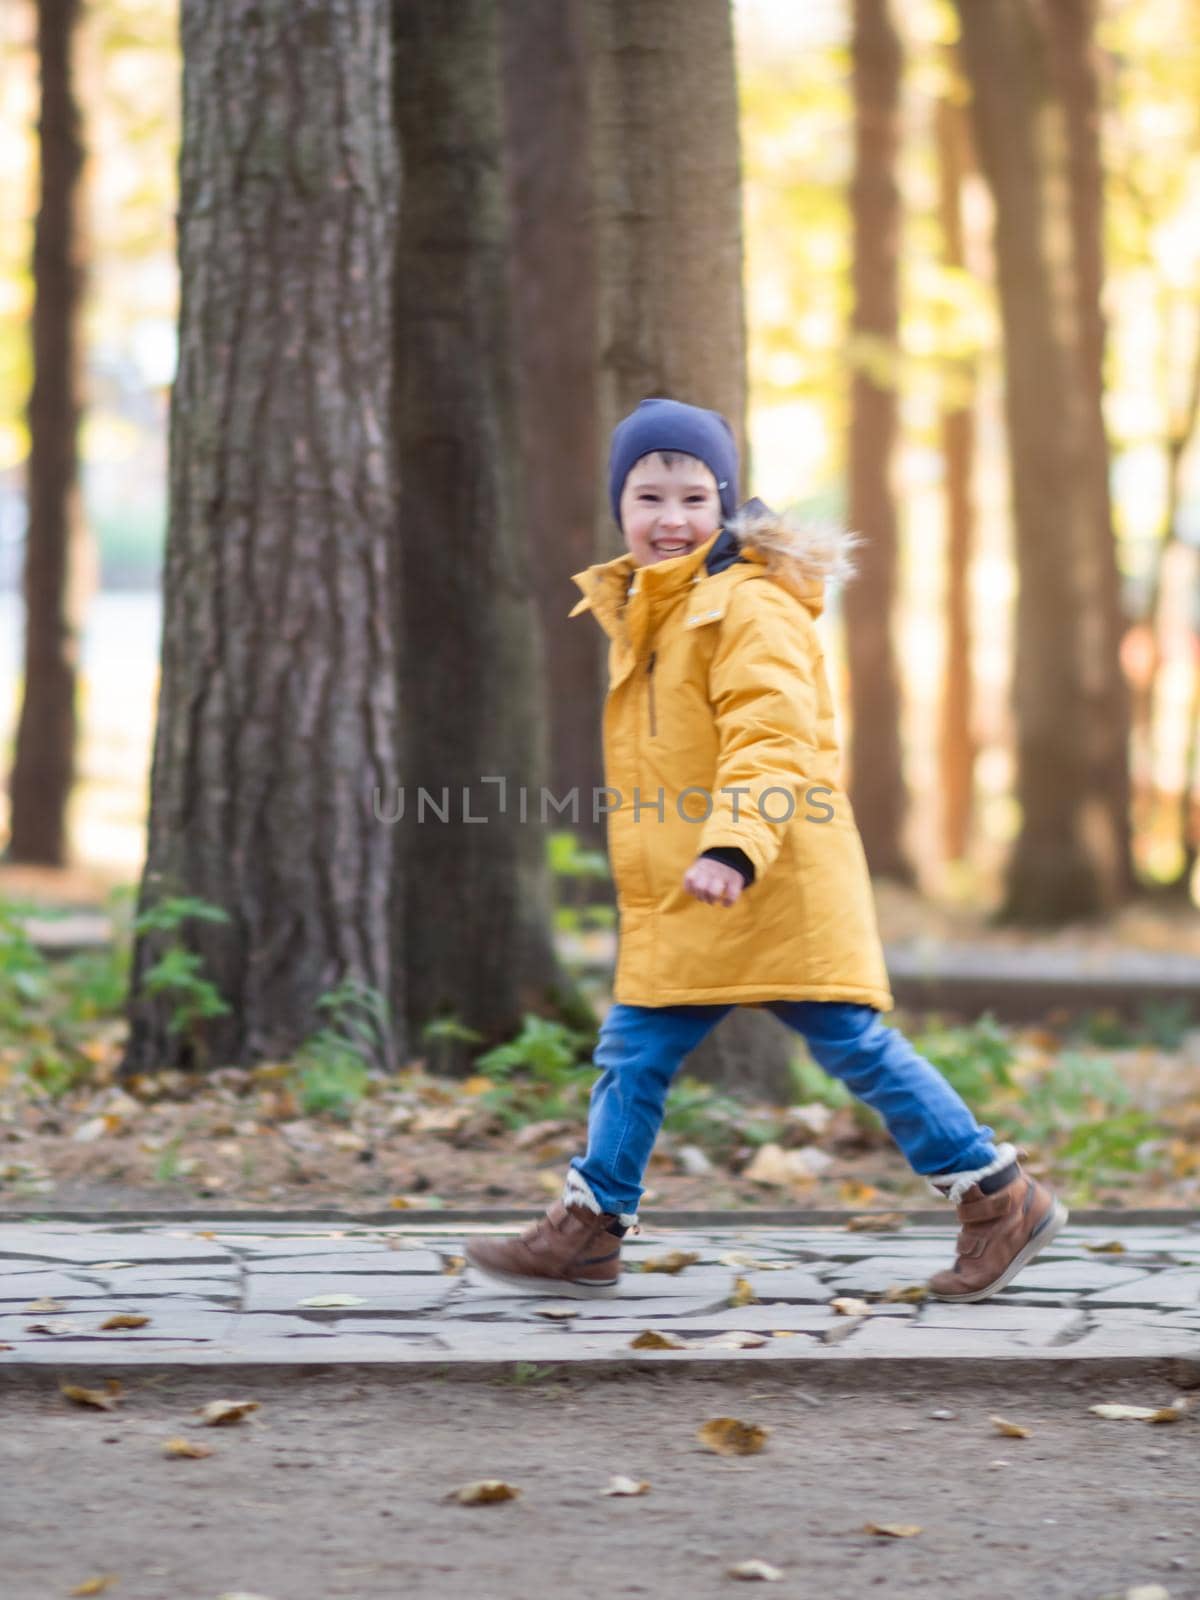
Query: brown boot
(570, 1251)
(1001, 1233)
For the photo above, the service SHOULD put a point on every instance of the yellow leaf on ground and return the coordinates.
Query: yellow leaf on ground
(727, 1436)
(876, 1222)
(551, 1182)
(96, 1585)
(103, 1399)
(652, 1339)
(847, 1306)
(893, 1530)
(1116, 1413)
(854, 1193)
(906, 1293)
(333, 1300)
(1113, 1247)
(454, 1266)
(46, 1303)
(626, 1486)
(756, 1569)
(485, 1492)
(749, 1263)
(219, 1412)
(477, 1085)
(743, 1293)
(557, 1313)
(125, 1319)
(186, 1447)
(736, 1339)
(400, 1202)
(673, 1262)
(1010, 1430)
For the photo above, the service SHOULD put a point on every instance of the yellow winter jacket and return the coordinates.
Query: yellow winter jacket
(719, 731)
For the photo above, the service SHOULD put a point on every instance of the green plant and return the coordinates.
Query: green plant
(178, 972)
(576, 870)
(976, 1059)
(332, 1069)
(538, 1074)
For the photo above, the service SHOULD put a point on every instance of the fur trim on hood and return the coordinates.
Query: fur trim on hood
(797, 554)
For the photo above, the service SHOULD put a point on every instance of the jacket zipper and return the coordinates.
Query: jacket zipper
(650, 685)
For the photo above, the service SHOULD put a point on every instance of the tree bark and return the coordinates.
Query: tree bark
(44, 762)
(479, 941)
(957, 746)
(877, 790)
(666, 165)
(1069, 857)
(277, 711)
(553, 290)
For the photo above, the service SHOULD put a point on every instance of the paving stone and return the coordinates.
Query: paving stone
(1076, 1276)
(278, 1291)
(1149, 1338)
(1167, 1288)
(380, 1263)
(32, 1285)
(878, 1273)
(28, 1242)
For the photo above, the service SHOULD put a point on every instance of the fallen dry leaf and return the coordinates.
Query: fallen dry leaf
(626, 1486)
(736, 1339)
(876, 1222)
(485, 1492)
(105, 1399)
(1113, 1247)
(62, 1325)
(652, 1339)
(125, 1319)
(1117, 1413)
(7, 1347)
(557, 1313)
(1010, 1430)
(785, 1333)
(333, 1300)
(185, 1447)
(847, 1306)
(47, 1303)
(755, 1569)
(455, 1266)
(906, 1293)
(96, 1585)
(673, 1262)
(727, 1436)
(219, 1412)
(742, 1293)
(1147, 1591)
(893, 1530)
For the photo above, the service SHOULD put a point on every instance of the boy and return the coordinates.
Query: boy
(740, 874)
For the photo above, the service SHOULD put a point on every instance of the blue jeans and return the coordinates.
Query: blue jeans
(642, 1047)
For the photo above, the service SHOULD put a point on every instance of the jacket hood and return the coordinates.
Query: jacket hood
(800, 556)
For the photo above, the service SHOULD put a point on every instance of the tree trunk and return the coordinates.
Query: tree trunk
(554, 313)
(877, 791)
(1071, 28)
(666, 164)
(479, 942)
(1068, 859)
(277, 711)
(44, 762)
(957, 746)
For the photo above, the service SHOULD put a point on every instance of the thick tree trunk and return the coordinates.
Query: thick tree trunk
(1069, 856)
(956, 743)
(666, 164)
(479, 943)
(277, 711)
(554, 314)
(877, 791)
(1071, 28)
(44, 764)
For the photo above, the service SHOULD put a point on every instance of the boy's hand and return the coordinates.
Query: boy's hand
(713, 882)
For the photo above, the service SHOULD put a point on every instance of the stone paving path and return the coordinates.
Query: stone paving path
(243, 1293)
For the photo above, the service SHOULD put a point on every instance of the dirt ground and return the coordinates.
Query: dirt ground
(337, 1487)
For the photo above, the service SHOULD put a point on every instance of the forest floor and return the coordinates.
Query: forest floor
(337, 1486)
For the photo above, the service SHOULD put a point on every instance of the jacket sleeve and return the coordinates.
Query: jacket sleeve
(763, 690)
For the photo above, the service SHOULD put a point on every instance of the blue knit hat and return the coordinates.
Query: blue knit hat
(672, 425)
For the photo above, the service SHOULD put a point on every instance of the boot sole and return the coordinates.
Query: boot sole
(552, 1288)
(1050, 1228)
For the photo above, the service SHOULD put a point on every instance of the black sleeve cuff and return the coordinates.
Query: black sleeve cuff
(731, 856)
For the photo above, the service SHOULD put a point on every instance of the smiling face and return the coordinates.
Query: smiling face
(669, 505)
